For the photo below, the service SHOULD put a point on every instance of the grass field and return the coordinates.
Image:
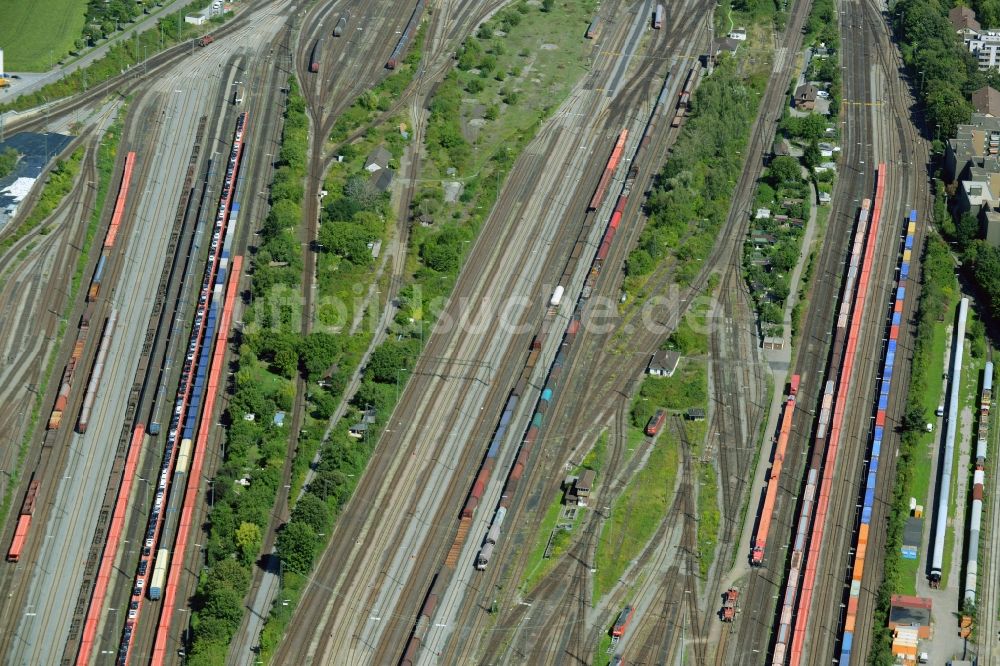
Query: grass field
(537, 565)
(637, 512)
(36, 35)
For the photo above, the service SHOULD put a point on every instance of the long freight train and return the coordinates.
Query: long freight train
(771, 494)
(863, 520)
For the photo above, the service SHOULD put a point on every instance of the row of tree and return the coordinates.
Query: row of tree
(945, 74)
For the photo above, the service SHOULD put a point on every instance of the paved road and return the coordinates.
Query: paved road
(30, 82)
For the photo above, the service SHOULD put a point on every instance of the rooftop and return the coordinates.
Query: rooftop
(963, 18)
(986, 101)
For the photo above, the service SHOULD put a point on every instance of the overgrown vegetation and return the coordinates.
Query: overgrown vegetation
(938, 289)
(690, 198)
(8, 161)
(640, 509)
(382, 96)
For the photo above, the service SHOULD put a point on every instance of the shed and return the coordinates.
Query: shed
(279, 419)
(358, 430)
(378, 159)
(913, 613)
(805, 97)
(382, 179)
(583, 486)
(695, 414)
(774, 342)
(663, 363)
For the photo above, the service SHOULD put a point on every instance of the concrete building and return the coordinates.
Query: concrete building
(972, 146)
(986, 49)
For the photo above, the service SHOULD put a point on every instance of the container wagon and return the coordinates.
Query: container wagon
(23, 522)
(159, 574)
(317, 52)
(341, 25)
(408, 33)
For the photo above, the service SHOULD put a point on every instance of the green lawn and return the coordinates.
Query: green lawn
(687, 388)
(537, 565)
(36, 35)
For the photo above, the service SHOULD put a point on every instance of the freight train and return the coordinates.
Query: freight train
(771, 494)
(815, 497)
(97, 373)
(69, 372)
(23, 521)
(609, 170)
(978, 483)
(592, 29)
(111, 545)
(193, 374)
(338, 30)
(408, 33)
(864, 520)
(684, 98)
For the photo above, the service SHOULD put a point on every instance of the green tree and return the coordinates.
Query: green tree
(317, 352)
(297, 546)
(784, 169)
(231, 573)
(248, 541)
(225, 604)
(966, 230)
(8, 161)
(312, 511)
(386, 360)
(811, 156)
(547, 5)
